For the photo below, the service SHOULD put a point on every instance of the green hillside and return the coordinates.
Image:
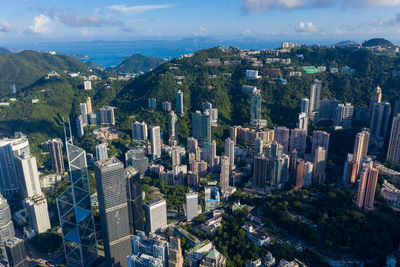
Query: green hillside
(27, 67)
(377, 41)
(4, 51)
(138, 63)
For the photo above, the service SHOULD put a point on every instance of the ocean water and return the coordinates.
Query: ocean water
(111, 53)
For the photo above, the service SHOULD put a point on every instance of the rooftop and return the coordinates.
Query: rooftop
(155, 201)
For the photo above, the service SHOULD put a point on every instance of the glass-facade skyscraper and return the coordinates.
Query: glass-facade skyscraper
(75, 211)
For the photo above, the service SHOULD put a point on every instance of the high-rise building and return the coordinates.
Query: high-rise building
(28, 175)
(320, 138)
(75, 211)
(343, 115)
(89, 105)
(84, 114)
(396, 107)
(300, 172)
(315, 94)
(134, 195)
(319, 165)
(376, 98)
(379, 120)
(393, 154)
(258, 146)
(79, 126)
(101, 152)
(113, 208)
(308, 172)
(192, 144)
(350, 170)
(255, 107)
(166, 106)
(148, 251)
(175, 156)
(327, 108)
(281, 135)
(172, 125)
(36, 207)
(192, 204)
(107, 115)
(360, 146)
(56, 154)
(305, 104)
(260, 169)
(139, 131)
(175, 252)
(179, 103)
(155, 138)
(16, 253)
(87, 85)
(152, 103)
(156, 214)
(13, 89)
(93, 118)
(136, 157)
(9, 149)
(224, 175)
(230, 151)
(303, 121)
(367, 185)
(6, 224)
(298, 139)
(201, 126)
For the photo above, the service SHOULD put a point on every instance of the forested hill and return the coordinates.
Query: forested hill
(26, 67)
(138, 63)
(4, 51)
(221, 85)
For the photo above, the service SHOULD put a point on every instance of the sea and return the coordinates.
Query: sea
(112, 53)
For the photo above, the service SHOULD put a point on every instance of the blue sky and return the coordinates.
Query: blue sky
(81, 20)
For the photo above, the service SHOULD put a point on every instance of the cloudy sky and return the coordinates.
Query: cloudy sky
(73, 20)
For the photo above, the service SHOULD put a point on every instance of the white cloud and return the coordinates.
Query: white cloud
(135, 9)
(262, 5)
(376, 3)
(5, 26)
(203, 31)
(41, 25)
(387, 21)
(306, 27)
(247, 33)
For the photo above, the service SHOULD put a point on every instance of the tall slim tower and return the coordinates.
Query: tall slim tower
(192, 203)
(305, 105)
(360, 146)
(255, 107)
(224, 176)
(134, 193)
(298, 139)
(155, 138)
(393, 154)
(56, 154)
(281, 135)
(367, 186)
(113, 208)
(179, 103)
(89, 105)
(320, 138)
(175, 252)
(230, 151)
(6, 224)
(172, 125)
(376, 98)
(303, 121)
(84, 114)
(201, 126)
(75, 210)
(315, 94)
(319, 165)
(379, 120)
(101, 152)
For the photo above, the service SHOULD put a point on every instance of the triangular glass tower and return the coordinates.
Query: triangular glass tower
(75, 210)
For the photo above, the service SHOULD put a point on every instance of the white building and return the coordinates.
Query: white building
(192, 205)
(87, 85)
(155, 138)
(38, 213)
(28, 175)
(252, 74)
(156, 214)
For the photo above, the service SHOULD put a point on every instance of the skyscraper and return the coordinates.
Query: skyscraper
(255, 107)
(179, 103)
(320, 138)
(230, 151)
(192, 203)
(9, 148)
(315, 93)
(56, 154)
(350, 170)
(258, 146)
(37, 209)
(303, 121)
(172, 125)
(379, 120)
(320, 156)
(367, 185)
(152, 103)
(79, 126)
(308, 171)
(300, 172)
(139, 131)
(134, 195)
(360, 146)
(136, 157)
(393, 154)
(343, 115)
(376, 98)
(101, 152)
(175, 156)
(113, 208)
(89, 105)
(107, 115)
(224, 175)
(155, 139)
(260, 171)
(84, 114)
(175, 252)
(305, 104)
(298, 139)
(201, 126)
(75, 211)
(16, 253)
(166, 106)
(327, 108)
(156, 214)
(281, 135)
(149, 250)
(6, 224)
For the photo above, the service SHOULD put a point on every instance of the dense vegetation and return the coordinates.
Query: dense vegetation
(138, 63)
(377, 41)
